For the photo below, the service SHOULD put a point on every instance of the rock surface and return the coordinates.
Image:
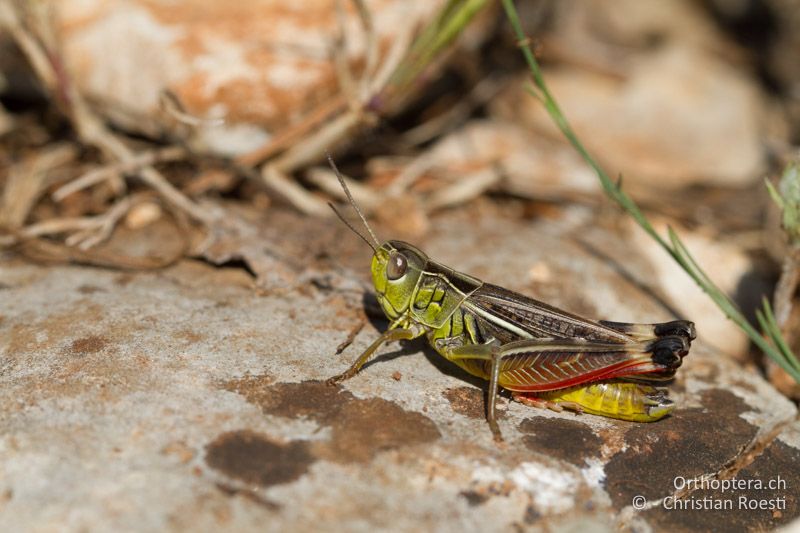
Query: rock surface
(257, 65)
(185, 400)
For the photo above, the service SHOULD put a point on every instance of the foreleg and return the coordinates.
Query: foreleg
(391, 335)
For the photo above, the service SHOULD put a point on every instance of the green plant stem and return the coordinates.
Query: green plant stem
(776, 347)
(438, 35)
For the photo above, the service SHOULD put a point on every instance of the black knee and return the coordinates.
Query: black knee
(668, 352)
(680, 328)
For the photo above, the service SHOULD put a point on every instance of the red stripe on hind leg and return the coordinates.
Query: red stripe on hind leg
(622, 369)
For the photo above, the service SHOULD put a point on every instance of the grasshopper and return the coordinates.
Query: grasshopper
(544, 356)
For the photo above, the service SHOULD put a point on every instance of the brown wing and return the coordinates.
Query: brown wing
(506, 316)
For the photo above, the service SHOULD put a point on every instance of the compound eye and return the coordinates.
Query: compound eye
(396, 267)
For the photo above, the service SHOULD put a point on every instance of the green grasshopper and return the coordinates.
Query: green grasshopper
(545, 356)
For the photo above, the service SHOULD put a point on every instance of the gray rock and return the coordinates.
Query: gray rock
(184, 399)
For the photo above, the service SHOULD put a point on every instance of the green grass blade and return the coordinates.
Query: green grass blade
(774, 331)
(778, 350)
(434, 39)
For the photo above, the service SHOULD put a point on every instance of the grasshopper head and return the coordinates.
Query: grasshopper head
(396, 268)
(396, 265)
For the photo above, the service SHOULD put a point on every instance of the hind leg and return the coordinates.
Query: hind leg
(526, 398)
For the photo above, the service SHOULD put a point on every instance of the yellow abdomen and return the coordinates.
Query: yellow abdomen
(615, 399)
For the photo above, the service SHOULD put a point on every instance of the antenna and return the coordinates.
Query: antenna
(355, 206)
(354, 230)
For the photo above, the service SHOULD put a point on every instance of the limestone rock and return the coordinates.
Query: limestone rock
(182, 399)
(257, 65)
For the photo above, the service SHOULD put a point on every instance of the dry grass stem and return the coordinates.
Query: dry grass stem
(55, 226)
(368, 26)
(314, 147)
(326, 127)
(325, 179)
(172, 106)
(344, 74)
(88, 126)
(465, 188)
(86, 232)
(10, 20)
(103, 228)
(786, 288)
(27, 181)
(48, 251)
(303, 200)
(287, 137)
(393, 58)
(483, 92)
(409, 174)
(98, 175)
